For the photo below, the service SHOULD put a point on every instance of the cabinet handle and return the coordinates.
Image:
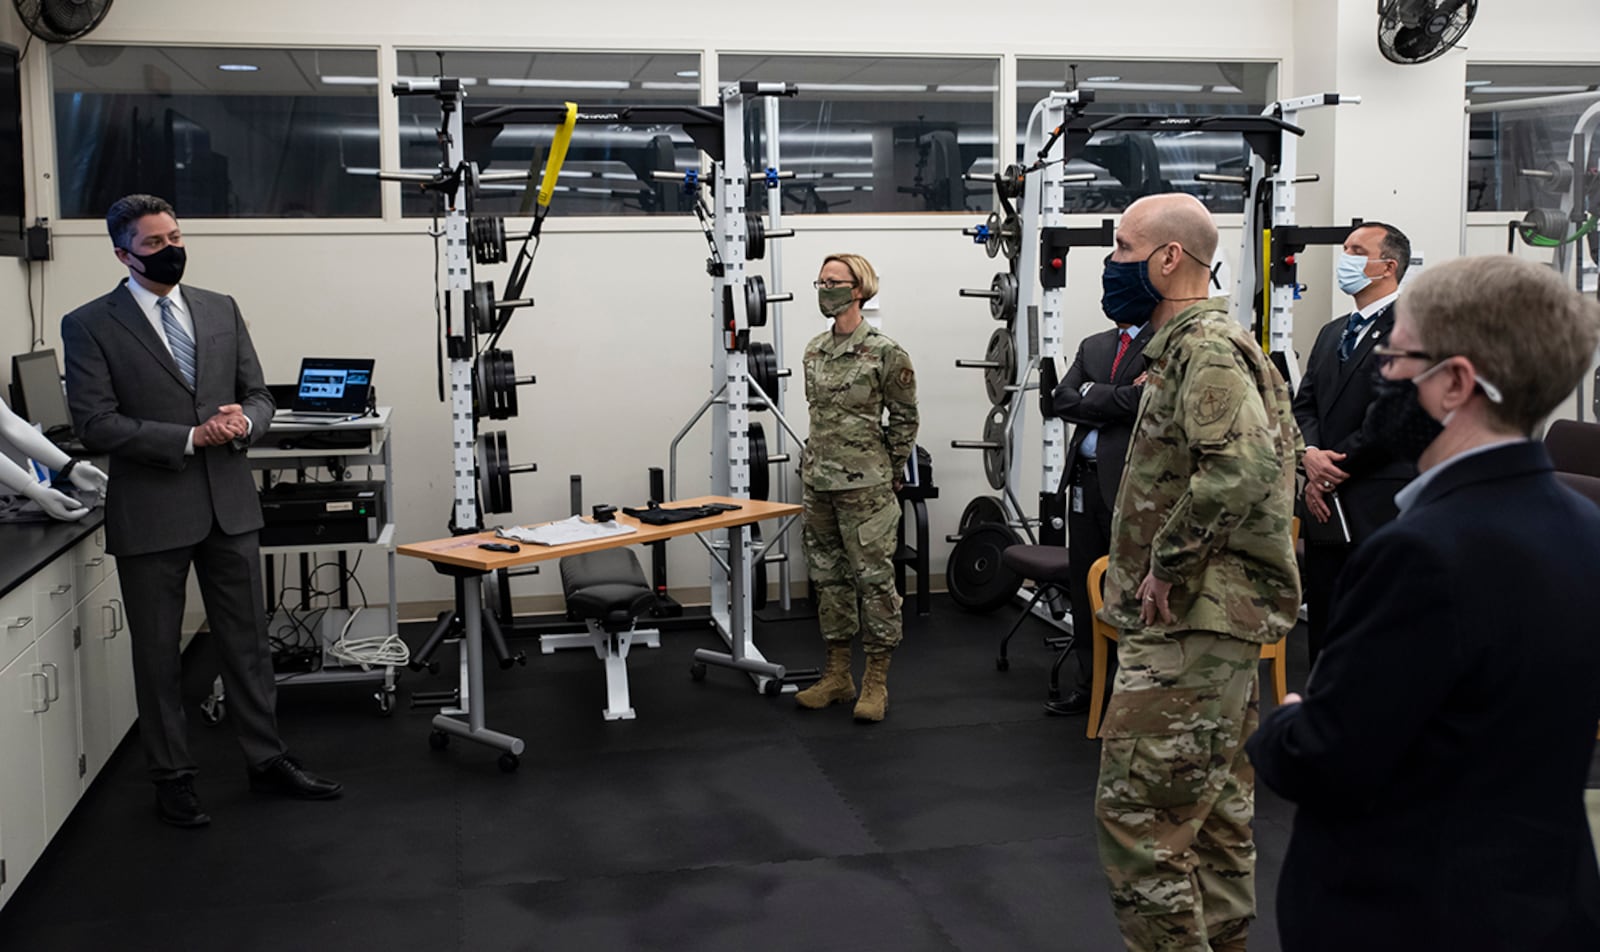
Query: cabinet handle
(121, 621)
(111, 624)
(21, 621)
(61, 589)
(52, 682)
(94, 563)
(38, 698)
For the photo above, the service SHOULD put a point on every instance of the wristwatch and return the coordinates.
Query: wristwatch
(66, 470)
(1083, 391)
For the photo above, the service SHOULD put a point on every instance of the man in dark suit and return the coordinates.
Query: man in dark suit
(1100, 394)
(1350, 484)
(1439, 756)
(165, 381)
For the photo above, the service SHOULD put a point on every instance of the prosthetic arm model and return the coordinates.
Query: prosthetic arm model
(22, 435)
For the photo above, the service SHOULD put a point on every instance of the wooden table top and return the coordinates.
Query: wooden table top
(463, 550)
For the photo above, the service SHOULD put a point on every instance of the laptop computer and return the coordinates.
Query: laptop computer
(330, 390)
(38, 397)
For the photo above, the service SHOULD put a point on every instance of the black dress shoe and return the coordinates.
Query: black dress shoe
(177, 803)
(1076, 702)
(283, 775)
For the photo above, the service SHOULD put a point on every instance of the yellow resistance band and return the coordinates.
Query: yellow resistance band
(1266, 290)
(558, 154)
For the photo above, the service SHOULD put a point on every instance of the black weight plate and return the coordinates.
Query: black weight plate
(760, 469)
(763, 364)
(978, 580)
(1003, 352)
(485, 481)
(505, 471)
(483, 306)
(1003, 297)
(997, 457)
(755, 237)
(980, 510)
(758, 572)
(991, 243)
(755, 300)
(508, 385)
(1012, 181)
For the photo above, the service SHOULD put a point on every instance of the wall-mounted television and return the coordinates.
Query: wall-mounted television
(12, 207)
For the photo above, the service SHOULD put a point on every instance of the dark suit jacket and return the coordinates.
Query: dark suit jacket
(1111, 408)
(1330, 406)
(1440, 756)
(129, 401)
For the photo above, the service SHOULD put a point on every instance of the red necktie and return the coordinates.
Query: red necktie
(1122, 348)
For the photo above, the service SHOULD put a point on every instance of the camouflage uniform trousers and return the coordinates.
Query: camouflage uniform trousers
(850, 538)
(1176, 792)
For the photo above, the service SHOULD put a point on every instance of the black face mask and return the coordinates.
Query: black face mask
(164, 267)
(1404, 428)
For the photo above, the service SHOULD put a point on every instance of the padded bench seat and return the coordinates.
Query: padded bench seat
(607, 591)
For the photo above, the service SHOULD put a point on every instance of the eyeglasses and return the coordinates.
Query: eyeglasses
(1388, 355)
(829, 284)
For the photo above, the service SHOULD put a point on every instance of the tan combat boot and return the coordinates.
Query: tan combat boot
(874, 702)
(836, 684)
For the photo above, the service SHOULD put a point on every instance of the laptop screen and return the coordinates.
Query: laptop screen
(36, 392)
(333, 385)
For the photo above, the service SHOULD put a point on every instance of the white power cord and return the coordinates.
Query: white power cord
(385, 650)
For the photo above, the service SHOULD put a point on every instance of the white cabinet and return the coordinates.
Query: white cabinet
(66, 697)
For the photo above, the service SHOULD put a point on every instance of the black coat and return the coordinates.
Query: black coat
(1440, 756)
(1111, 406)
(1330, 406)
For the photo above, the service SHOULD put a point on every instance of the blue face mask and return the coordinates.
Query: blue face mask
(1127, 296)
(1352, 273)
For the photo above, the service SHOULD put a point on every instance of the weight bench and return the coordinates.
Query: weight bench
(607, 591)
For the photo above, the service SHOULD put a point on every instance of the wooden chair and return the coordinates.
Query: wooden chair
(1105, 634)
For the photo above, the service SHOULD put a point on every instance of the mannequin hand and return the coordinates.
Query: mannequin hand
(59, 505)
(88, 477)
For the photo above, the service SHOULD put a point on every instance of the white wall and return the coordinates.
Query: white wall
(620, 337)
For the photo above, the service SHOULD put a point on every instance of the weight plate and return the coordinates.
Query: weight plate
(763, 364)
(980, 510)
(991, 243)
(483, 306)
(1011, 237)
(977, 578)
(1003, 297)
(755, 300)
(758, 572)
(485, 481)
(1002, 352)
(755, 237)
(508, 370)
(505, 471)
(760, 469)
(997, 456)
(1012, 181)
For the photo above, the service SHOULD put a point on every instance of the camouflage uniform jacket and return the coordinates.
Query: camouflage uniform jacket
(850, 382)
(1207, 498)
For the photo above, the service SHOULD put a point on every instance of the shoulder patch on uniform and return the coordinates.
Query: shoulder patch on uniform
(906, 376)
(1210, 405)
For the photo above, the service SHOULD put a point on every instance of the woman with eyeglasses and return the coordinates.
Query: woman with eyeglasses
(1439, 757)
(862, 393)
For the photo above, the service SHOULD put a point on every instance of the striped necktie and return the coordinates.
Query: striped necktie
(181, 343)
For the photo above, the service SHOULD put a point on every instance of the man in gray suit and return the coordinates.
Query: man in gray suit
(164, 380)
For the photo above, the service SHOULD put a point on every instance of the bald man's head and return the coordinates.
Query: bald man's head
(1173, 216)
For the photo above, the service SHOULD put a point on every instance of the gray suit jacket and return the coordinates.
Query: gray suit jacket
(129, 402)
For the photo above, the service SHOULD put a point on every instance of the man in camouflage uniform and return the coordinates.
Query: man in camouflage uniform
(1201, 574)
(851, 468)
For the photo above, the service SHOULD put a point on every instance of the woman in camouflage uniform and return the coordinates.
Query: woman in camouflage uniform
(851, 468)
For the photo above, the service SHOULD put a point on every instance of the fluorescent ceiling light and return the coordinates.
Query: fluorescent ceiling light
(1532, 90)
(1230, 90)
(650, 84)
(1150, 87)
(689, 73)
(348, 80)
(1041, 84)
(863, 87)
(1478, 82)
(1102, 79)
(237, 67)
(942, 88)
(465, 80)
(560, 83)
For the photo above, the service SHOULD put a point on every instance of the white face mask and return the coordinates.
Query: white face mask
(1352, 273)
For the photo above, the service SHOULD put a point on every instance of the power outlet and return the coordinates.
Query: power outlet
(38, 240)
